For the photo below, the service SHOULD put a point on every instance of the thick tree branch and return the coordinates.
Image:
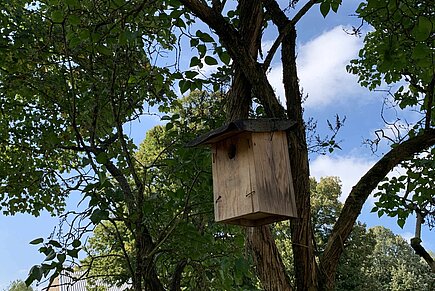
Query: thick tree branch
(301, 229)
(177, 276)
(421, 251)
(250, 27)
(123, 183)
(429, 102)
(361, 191)
(232, 41)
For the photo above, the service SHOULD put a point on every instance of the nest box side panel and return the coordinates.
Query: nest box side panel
(273, 178)
(231, 177)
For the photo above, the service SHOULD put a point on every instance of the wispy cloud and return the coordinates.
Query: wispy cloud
(322, 69)
(349, 169)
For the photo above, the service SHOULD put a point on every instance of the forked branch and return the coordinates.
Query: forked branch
(361, 191)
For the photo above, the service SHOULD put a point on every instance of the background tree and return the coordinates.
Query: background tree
(394, 265)
(194, 252)
(18, 285)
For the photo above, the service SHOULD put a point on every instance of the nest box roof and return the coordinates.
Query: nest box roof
(238, 126)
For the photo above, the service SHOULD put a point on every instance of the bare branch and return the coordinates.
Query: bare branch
(284, 24)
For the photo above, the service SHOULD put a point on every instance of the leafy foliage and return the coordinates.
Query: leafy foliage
(400, 48)
(179, 211)
(411, 192)
(18, 285)
(395, 266)
(72, 72)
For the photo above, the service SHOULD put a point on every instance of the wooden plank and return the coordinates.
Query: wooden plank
(273, 176)
(231, 181)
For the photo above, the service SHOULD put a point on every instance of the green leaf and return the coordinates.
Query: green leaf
(73, 3)
(184, 86)
(191, 74)
(225, 58)
(99, 215)
(195, 61)
(423, 29)
(36, 241)
(57, 16)
(194, 42)
(169, 126)
(210, 61)
(335, 4)
(74, 253)
(35, 273)
(205, 37)
(102, 158)
(202, 49)
(74, 19)
(55, 243)
(401, 222)
(61, 258)
(179, 22)
(50, 256)
(76, 243)
(104, 50)
(324, 8)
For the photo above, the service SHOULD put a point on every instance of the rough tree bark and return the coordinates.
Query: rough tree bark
(301, 228)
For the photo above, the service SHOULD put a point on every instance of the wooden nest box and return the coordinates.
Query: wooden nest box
(252, 181)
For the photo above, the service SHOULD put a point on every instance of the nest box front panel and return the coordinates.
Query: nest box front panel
(232, 185)
(272, 174)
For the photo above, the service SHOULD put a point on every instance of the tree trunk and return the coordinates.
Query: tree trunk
(240, 94)
(146, 277)
(267, 259)
(268, 262)
(262, 244)
(301, 229)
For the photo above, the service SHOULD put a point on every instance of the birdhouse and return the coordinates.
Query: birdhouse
(252, 181)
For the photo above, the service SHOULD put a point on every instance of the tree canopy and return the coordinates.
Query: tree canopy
(18, 285)
(73, 74)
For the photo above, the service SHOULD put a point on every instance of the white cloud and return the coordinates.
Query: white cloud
(322, 69)
(206, 70)
(349, 169)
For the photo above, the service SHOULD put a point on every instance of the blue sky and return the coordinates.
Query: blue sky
(324, 49)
